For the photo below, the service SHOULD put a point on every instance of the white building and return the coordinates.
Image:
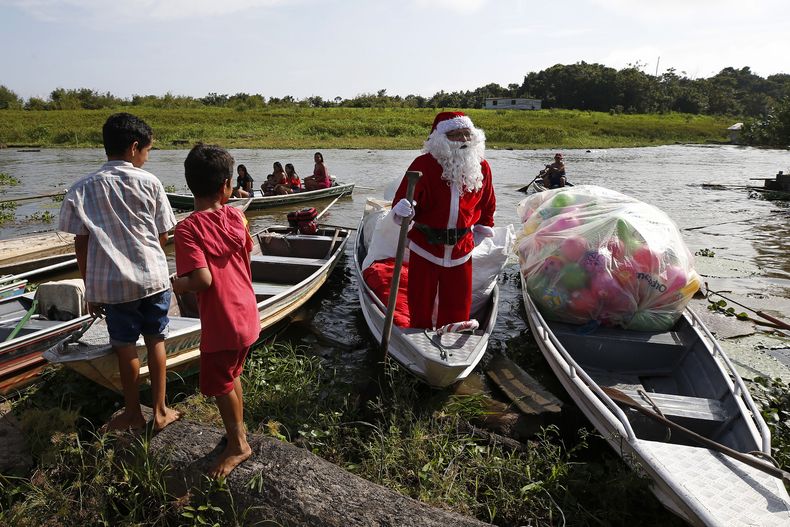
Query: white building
(511, 103)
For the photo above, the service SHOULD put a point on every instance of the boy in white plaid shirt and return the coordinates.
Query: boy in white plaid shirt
(120, 216)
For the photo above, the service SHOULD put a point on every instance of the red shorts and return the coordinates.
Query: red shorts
(218, 370)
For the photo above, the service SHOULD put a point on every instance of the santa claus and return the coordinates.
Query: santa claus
(453, 199)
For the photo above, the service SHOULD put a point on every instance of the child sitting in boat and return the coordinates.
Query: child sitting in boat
(243, 188)
(292, 178)
(213, 260)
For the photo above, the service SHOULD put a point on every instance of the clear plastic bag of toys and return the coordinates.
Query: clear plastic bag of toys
(590, 254)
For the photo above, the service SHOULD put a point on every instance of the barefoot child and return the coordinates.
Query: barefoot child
(120, 216)
(213, 259)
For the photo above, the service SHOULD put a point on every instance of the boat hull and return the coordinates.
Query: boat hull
(182, 345)
(187, 202)
(439, 360)
(697, 484)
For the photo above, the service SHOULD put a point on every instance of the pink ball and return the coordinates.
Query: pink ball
(606, 286)
(617, 248)
(563, 224)
(573, 248)
(676, 278)
(646, 260)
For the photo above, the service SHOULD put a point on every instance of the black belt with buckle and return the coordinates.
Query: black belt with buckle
(442, 236)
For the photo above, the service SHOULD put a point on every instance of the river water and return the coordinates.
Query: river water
(738, 228)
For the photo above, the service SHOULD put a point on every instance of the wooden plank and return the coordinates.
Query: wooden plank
(287, 260)
(525, 392)
(264, 289)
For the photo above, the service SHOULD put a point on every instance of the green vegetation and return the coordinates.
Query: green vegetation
(408, 439)
(7, 180)
(378, 128)
(774, 396)
(580, 86)
(771, 128)
(7, 212)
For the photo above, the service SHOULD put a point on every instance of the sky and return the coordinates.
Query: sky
(344, 48)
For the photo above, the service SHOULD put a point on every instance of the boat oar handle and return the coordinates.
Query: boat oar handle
(781, 323)
(620, 397)
(412, 176)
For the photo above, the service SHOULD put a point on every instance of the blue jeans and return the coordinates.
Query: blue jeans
(146, 316)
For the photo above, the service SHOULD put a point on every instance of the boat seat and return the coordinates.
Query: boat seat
(31, 326)
(267, 290)
(684, 407)
(619, 350)
(287, 260)
(283, 269)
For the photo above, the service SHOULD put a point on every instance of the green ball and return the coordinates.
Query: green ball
(563, 199)
(573, 276)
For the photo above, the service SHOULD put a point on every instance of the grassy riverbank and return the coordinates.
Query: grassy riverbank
(407, 440)
(374, 128)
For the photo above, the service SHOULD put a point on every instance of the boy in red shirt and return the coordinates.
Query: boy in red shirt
(213, 260)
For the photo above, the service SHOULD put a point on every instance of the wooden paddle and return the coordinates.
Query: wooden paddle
(327, 207)
(22, 321)
(782, 324)
(748, 459)
(28, 198)
(413, 177)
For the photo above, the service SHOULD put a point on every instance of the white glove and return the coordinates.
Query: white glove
(403, 208)
(483, 231)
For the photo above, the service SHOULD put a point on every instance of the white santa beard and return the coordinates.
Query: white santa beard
(460, 161)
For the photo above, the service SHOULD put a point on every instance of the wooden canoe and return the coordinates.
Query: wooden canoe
(21, 357)
(37, 255)
(684, 374)
(187, 201)
(287, 270)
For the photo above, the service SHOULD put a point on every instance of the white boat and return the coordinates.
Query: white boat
(287, 270)
(27, 329)
(187, 201)
(684, 374)
(439, 360)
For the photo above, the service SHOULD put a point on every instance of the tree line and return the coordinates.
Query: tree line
(763, 102)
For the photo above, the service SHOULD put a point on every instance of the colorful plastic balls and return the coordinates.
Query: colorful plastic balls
(573, 276)
(675, 278)
(552, 266)
(563, 224)
(532, 225)
(645, 320)
(584, 303)
(562, 199)
(617, 248)
(646, 260)
(606, 286)
(594, 262)
(554, 298)
(573, 248)
(625, 274)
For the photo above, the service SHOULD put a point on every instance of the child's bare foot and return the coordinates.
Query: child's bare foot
(162, 419)
(230, 458)
(126, 420)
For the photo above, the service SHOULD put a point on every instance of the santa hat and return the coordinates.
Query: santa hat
(449, 121)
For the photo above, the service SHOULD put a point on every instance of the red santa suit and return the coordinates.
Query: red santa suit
(441, 241)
